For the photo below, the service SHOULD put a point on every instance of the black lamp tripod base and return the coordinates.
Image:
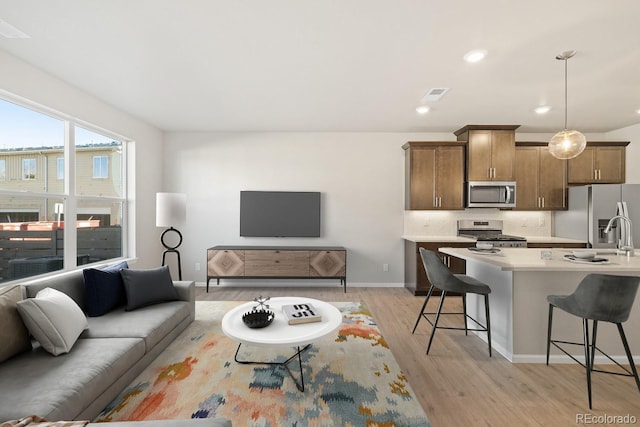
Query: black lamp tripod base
(172, 249)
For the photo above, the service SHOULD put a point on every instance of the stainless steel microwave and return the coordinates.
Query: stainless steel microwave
(491, 194)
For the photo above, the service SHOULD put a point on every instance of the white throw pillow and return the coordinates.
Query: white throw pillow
(54, 319)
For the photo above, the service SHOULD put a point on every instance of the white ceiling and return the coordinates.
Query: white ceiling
(349, 65)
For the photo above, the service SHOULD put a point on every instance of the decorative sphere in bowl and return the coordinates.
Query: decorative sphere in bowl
(484, 245)
(584, 254)
(258, 318)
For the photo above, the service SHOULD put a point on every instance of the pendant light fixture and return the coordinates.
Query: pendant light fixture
(566, 144)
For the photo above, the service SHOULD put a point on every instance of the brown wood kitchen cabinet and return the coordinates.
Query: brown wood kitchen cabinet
(415, 277)
(491, 152)
(541, 179)
(599, 163)
(434, 175)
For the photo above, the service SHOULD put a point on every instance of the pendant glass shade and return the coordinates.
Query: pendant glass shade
(567, 144)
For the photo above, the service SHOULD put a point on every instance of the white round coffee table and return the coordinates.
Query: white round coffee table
(279, 333)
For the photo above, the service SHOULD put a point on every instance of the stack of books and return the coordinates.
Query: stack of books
(301, 313)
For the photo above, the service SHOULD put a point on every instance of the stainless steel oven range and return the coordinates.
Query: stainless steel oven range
(489, 231)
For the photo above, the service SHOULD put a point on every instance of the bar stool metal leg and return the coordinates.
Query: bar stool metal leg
(587, 357)
(629, 356)
(550, 321)
(424, 306)
(435, 323)
(464, 311)
(488, 317)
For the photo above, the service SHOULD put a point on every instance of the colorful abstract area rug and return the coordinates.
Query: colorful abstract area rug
(351, 379)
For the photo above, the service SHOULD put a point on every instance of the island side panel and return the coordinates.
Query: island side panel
(531, 313)
(500, 305)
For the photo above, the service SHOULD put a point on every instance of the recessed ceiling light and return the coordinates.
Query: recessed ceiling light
(475, 55)
(544, 109)
(638, 111)
(423, 109)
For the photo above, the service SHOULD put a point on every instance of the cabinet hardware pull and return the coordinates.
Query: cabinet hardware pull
(543, 202)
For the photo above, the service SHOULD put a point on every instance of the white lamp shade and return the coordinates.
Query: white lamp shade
(567, 144)
(171, 209)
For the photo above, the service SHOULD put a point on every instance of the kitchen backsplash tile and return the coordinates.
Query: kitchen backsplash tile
(444, 223)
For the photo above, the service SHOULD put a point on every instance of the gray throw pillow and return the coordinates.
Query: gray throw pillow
(14, 336)
(148, 287)
(54, 319)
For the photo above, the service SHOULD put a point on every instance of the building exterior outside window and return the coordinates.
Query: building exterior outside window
(36, 200)
(60, 168)
(28, 169)
(101, 167)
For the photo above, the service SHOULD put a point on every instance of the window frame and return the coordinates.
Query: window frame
(59, 170)
(69, 195)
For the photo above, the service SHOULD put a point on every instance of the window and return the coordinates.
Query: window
(101, 167)
(60, 168)
(28, 169)
(35, 199)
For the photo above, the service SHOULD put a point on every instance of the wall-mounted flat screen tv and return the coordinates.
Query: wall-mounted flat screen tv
(279, 214)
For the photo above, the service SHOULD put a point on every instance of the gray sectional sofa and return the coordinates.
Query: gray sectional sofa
(107, 356)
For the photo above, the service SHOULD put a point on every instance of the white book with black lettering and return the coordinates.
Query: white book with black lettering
(301, 313)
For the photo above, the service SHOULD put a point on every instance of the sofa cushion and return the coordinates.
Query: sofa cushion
(104, 289)
(151, 323)
(53, 319)
(147, 287)
(61, 387)
(14, 336)
(71, 283)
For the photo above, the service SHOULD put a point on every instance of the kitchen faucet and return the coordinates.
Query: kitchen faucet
(627, 247)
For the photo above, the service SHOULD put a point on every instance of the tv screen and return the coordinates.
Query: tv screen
(279, 214)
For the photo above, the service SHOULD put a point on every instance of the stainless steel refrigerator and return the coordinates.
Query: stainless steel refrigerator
(590, 209)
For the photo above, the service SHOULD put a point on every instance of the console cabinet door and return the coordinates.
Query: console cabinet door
(276, 263)
(327, 263)
(225, 262)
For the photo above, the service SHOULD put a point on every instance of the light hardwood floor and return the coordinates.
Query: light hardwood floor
(458, 384)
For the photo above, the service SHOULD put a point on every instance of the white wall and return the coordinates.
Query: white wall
(21, 79)
(360, 176)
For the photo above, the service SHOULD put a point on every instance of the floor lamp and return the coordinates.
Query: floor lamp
(171, 209)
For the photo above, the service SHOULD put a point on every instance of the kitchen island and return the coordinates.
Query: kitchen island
(520, 281)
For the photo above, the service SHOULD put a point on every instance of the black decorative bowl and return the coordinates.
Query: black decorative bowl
(258, 318)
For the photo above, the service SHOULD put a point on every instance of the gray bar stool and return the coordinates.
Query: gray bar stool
(598, 297)
(442, 278)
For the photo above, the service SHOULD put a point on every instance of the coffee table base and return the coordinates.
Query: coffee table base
(285, 364)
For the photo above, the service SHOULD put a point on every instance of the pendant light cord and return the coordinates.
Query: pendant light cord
(565, 93)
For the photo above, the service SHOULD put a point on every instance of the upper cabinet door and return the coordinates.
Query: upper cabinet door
(527, 171)
(421, 178)
(491, 155)
(601, 163)
(479, 155)
(434, 175)
(552, 181)
(503, 154)
(450, 177)
(541, 179)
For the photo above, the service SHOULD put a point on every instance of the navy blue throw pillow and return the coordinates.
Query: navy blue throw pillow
(104, 289)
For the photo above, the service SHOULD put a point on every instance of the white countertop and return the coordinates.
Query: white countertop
(528, 259)
(449, 238)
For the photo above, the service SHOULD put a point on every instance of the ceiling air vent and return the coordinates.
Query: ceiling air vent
(435, 94)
